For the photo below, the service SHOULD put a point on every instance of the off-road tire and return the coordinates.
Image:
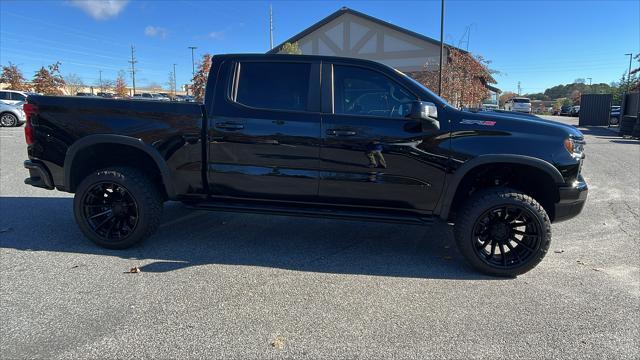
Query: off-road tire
(144, 191)
(484, 201)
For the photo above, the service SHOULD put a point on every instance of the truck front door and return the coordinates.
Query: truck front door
(371, 154)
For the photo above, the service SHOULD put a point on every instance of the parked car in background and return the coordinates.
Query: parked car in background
(614, 118)
(575, 110)
(518, 104)
(150, 96)
(12, 97)
(105, 95)
(86, 94)
(11, 114)
(184, 98)
(565, 110)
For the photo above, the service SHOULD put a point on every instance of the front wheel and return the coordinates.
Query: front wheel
(117, 207)
(503, 232)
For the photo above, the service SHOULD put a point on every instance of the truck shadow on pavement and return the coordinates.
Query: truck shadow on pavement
(190, 238)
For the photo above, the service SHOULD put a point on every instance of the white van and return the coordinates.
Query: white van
(519, 104)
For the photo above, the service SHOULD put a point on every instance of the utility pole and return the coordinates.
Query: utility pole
(133, 62)
(519, 88)
(100, 71)
(193, 65)
(629, 72)
(589, 81)
(174, 80)
(441, 47)
(270, 26)
(193, 61)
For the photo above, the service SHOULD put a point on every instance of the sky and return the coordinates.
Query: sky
(537, 43)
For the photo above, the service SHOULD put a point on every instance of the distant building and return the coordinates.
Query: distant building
(350, 33)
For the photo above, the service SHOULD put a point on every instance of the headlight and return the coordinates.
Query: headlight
(574, 146)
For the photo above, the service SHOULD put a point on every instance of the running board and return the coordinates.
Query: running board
(316, 212)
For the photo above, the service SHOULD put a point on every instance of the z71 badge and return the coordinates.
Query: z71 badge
(477, 122)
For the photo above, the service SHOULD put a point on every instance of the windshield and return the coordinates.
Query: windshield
(517, 100)
(416, 82)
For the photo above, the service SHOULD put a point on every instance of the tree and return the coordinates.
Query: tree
(13, 76)
(506, 96)
(49, 81)
(464, 78)
(199, 81)
(575, 97)
(121, 85)
(537, 96)
(73, 84)
(291, 48)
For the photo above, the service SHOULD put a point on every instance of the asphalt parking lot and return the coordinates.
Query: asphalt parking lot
(219, 285)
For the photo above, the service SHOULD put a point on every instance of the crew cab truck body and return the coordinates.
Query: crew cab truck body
(312, 136)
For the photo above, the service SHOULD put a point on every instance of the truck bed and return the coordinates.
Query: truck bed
(168, 131)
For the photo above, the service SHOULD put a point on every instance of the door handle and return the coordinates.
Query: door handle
(230, 126)
(341, 132)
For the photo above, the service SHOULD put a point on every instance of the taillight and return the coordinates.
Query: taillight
(29, 111)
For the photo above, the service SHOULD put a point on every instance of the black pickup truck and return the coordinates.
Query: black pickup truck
(312, 136)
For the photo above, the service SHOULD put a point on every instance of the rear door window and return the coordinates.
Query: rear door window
(273, 85)
(4, 95)
(17, 96)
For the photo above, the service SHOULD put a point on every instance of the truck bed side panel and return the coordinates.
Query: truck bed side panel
(172, 130)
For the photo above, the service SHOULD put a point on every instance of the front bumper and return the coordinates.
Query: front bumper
(572, 200)
(39, 175)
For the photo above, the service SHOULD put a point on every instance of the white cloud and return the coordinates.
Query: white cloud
(217, 35)
(153, 31)
(101, 9)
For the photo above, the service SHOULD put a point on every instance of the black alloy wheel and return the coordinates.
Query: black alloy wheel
(110, 210)
(506, 236)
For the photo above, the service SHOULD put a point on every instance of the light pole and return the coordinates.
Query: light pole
(441, 47)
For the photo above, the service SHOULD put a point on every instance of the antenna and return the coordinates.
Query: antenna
(270, 26)
(133, 62)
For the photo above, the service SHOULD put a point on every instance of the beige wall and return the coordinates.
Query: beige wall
(353, 36)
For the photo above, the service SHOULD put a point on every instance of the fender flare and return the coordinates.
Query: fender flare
(91, 140)
(453, 180)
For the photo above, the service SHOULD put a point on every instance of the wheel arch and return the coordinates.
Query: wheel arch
(74, 153)
(453, 181)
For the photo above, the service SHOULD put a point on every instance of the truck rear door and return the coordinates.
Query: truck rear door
(264, 130)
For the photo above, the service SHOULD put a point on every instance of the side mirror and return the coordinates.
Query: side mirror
(423, 110)
(426, 113)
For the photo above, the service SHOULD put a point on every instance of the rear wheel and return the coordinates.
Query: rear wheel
(503, 232)
(8, 119)
(117, 208)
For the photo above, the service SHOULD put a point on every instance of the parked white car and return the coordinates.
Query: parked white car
(11, 114)
(12, 97)
(519, 104)
(150, 96)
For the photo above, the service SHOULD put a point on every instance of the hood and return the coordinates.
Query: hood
(524, 122)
